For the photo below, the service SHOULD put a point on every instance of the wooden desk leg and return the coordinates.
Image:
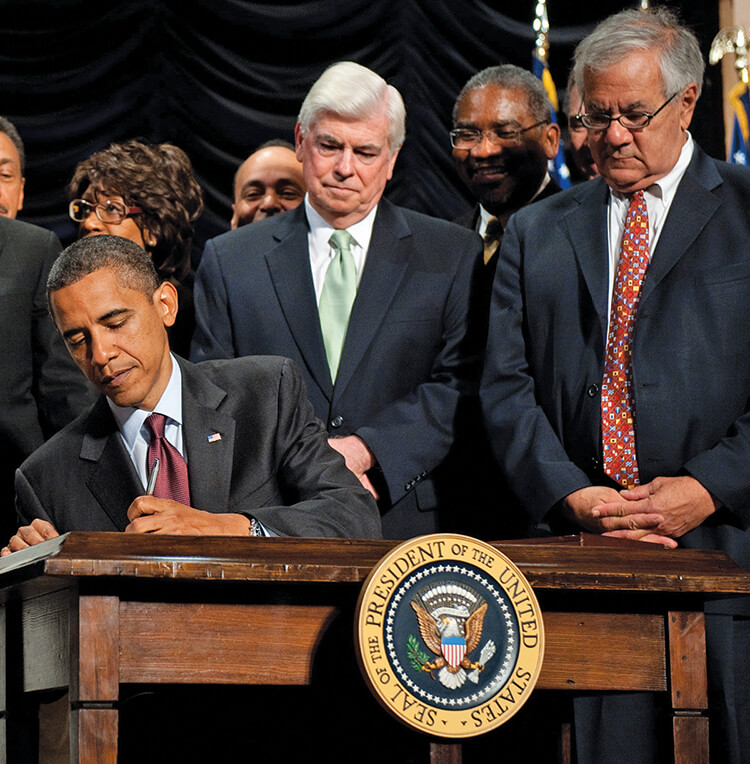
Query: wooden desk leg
(445, 753)
(688, 681)
(95, 680)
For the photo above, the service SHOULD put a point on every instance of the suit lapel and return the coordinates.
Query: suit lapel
(587, 230)
(113, 480)
(386, 264)
(209, 457)
(692, 207)
(289, 267)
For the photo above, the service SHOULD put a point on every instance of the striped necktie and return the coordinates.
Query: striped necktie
(172, 478)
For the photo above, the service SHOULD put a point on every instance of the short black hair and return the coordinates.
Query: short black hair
(132, 265)
(275, 142)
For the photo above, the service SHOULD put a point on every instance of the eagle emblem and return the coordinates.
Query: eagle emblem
(450, 618)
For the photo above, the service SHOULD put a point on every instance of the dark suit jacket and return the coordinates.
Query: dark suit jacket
(690, 356)
(404, 361)
(41, 389)
(272, 461)
(473, 467)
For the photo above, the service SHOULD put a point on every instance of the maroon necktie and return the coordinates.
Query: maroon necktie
(172, 479)
(618, 432)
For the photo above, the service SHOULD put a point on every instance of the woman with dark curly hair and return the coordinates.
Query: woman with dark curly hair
(146, 193)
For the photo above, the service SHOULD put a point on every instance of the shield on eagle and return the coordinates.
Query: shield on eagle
(453, 649)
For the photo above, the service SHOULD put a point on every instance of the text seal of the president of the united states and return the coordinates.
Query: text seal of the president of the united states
(449, 634)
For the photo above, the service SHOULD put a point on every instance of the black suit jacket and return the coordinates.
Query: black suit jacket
(405, 359)
(690, 355)
(473, 468)
(272, 461)
(41, 389)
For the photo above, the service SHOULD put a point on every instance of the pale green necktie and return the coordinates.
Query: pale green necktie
(339, 290)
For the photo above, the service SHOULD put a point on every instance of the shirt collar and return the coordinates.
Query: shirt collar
(130, 420)
(504, 217)
(321, 229)
(666, 187)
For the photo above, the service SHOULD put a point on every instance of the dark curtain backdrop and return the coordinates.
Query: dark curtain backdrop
(219, 77)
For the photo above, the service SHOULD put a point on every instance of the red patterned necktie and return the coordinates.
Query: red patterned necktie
(172, 479)
(618, 432)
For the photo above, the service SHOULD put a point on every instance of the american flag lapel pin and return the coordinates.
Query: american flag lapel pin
(214, 437)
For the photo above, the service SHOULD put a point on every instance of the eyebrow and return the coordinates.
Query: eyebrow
(635, 106)
(467, 124)
(361, 147)
(111, 314)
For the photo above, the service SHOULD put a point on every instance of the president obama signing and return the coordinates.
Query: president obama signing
(240, 452)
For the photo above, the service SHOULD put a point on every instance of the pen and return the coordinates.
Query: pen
(152, 478)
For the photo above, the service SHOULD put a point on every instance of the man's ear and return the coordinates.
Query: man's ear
(688, 99)
(298, 138)
(166, 302)
(551, 140)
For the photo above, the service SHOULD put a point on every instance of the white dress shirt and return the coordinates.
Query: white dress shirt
(484, 216)
(134, 433)
(659, 197)
(321, 252)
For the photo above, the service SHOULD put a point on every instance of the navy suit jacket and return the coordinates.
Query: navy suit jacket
(690, 357)
(272, 460)
(405, 360)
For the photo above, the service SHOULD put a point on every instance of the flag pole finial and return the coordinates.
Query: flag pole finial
(541, 27)
(731, 40)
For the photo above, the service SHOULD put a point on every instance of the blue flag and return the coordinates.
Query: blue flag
(558, 169)
(740, 100)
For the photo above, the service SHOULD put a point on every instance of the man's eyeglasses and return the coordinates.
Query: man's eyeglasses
(634, 120)
(108, 211)
(575, 124)
(468, 137)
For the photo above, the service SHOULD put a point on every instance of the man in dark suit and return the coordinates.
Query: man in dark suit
(40, 387)
(378, 323)
(258, 461)
(587, 355)
(502, 142)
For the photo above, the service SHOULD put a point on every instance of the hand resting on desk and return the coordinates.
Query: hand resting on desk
(147, 514)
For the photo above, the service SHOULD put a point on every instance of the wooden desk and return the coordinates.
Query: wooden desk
(99, 610)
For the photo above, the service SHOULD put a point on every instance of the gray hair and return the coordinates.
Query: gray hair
(353, 91)
(510, 77)
(7, 127)
(569, 88)
(133, 267)
(681, 61)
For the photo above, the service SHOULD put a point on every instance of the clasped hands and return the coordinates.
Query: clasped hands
(147, 514)
(659, 512)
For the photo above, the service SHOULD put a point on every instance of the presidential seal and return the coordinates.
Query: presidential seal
(449, 635)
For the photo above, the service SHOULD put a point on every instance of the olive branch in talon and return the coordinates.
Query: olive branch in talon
(416, 657)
